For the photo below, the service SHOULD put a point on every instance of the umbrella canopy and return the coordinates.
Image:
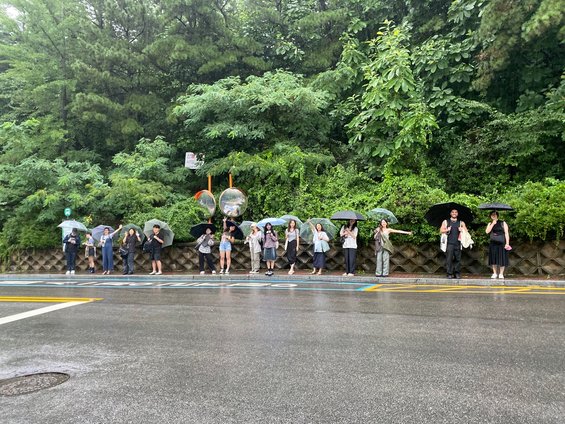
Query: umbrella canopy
(99, 230)
(379, 214)
(70, 224)
(168, 235)
(127, 227)
(347, 215)
(237, 234)
(245, 227)
(306, 231)
(199, 229)
(439, 212)
(273, 221)
(496, 206)
(289, 218)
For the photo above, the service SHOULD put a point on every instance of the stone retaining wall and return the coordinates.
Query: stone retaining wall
(525, 259)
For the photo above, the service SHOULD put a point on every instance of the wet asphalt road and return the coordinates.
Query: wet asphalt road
(258, 356)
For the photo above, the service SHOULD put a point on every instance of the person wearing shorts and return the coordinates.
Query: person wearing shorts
(225, 248)
(156, 240)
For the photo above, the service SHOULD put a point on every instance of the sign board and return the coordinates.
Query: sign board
(68, 212)
(191, 161)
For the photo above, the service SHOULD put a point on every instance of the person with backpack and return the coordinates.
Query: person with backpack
(71, 243)
(453, 227)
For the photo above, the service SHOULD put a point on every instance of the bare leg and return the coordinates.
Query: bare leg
(228, 261)
(501, 273)
(222, 261)
(159, 266)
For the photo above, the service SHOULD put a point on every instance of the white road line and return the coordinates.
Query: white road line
(39, 311)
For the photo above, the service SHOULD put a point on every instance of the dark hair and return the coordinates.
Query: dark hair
(88, 233)
(495, 212)
(270, 225)
(157, 226)
(352, 227)
(106, 228)
(295, 224)
(321, 226)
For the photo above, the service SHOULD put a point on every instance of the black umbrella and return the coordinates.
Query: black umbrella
(237, 233)
(441, 211)
(199, 229)
(496, 206)
(347, 215)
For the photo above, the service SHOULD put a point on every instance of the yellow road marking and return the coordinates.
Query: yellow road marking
(474, 289)
(35, 299)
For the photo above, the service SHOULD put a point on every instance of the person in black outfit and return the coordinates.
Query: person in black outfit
(130, 240)
(71, 242)
(156, 241)
(499, 245)
(453, 227)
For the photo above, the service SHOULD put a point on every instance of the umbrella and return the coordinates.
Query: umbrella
(381, 213)
(70, 224)
(306, 231)
(245, 227)
(347, 215)
(99, 230)
(237, 234)
(439, 212)
(289, 218)
(273, 221)
(166, 232)
(496, 206)
(199, 229)
(137, 229)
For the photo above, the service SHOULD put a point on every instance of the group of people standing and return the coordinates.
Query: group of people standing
(264, 243)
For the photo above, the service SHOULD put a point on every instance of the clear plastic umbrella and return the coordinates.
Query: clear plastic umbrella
(70, 224)
(168, 235)
(381, 213)
(137, 229)
(273, 221)
(289, 218)
(306, 230)
(99, 230)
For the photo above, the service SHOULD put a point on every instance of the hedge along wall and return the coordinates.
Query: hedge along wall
(525, 259)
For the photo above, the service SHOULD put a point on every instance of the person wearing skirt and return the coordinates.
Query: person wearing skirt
(270, 243)
(321, 246)
(499, 245)
(292, 242)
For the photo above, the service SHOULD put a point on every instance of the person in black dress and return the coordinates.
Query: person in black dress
(499, 245)
(130, 240)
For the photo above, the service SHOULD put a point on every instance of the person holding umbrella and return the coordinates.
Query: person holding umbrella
(321, 246)
(106, 243)
(71, 243)
(453, 228)
(205, 243)
(383, 247)
(129, 242)
(156, 240)
(90, 251)
(348, 234)
(292, 235)
(270, 244)
(499, 245)
(255, 239)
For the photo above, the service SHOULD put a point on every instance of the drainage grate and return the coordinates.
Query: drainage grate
(31, 383)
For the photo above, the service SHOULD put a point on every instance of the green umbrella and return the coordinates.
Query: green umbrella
(166, 232)
(306, 231)
(381, 213)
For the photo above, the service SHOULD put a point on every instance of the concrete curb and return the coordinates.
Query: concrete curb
(283, 277)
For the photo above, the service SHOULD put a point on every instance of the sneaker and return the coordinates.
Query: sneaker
(213, 272)
(501, 276)
(68, 273)
(73, 271)
(493, 276)
(458, 276)
(226, 272)
(202, 272)
(449, 276)
(267, 273)
(158, 273)
(153, 273)
(351, 275)
(221, 271)
(345, 274)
